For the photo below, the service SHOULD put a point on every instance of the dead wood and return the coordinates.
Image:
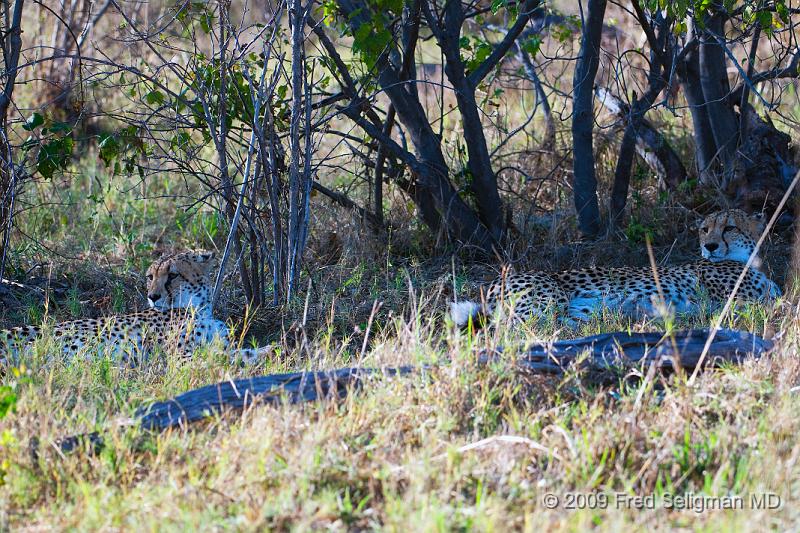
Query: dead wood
(613, 351)
(651, 145)
(764, 165)
(606, 353)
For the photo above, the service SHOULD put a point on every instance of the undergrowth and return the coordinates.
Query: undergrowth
(401, 453)
(396, 452)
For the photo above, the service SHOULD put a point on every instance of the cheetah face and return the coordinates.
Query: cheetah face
(180, 281)
(730, 235)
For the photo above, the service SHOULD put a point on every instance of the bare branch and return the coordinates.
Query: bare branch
(528, 8)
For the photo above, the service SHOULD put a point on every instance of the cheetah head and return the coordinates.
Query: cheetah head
(180, 281)
(730, 235)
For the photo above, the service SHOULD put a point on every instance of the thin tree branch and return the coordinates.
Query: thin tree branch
(499, 51)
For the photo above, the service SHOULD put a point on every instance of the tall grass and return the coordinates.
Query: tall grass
(397, 453)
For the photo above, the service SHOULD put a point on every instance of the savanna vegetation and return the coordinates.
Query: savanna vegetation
(356, 164)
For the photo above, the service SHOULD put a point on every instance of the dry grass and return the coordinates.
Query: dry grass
(404, 453)
(398, 453)
(393, 455)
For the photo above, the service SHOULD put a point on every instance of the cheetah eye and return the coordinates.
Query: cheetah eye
(149, 277)
(705, 230)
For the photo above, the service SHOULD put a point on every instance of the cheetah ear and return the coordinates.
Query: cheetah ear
(205, 260)
(203, 256)
(758, 222)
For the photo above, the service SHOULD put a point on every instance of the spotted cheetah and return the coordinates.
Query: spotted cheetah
(727, 239)
(179, 296)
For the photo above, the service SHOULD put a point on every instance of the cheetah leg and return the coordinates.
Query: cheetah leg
(651, 305)
(773, 291)
(581, 308)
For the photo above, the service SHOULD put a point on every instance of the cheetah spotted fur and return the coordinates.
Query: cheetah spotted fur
(727, 239)
(180, 318)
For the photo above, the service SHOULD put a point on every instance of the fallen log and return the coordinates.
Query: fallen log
(295, 387)
(211, 400)
(608, 352)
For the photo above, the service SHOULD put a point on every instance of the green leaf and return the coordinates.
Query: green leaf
(329, 12)
(109, 149)
(282, 89)
(154, 98)
(61, 127)
(206, 19)
(481, 50)
(532, 45)
(371, 40)
(29, 143)
(180, 141)
(54, 155)
(783, 11)
(8, 400)
(33, 122)
(765, 19)
(562, 32)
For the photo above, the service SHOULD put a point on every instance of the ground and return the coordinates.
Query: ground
(390, 455)
(397, 452)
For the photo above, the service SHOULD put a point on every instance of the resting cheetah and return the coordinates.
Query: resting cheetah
(727, 239)
(179, 295)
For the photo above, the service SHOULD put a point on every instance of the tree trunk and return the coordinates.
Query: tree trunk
(651, 145)
(763, 168)
(484, 181)
(296, 189)
(704, 143)
(380, 163)
(585, 180)
(12, 46)
(622, 175)
(714, 81)
(549, 141)
(638, 130)
(439, 204)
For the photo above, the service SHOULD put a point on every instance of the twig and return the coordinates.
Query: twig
(242, 192)
(741, 70)
(504, 439)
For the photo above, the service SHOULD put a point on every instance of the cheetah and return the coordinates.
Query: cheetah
(179, 317)
(727, 239)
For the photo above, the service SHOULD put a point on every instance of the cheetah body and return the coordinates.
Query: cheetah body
(125, 335)
(727, 240)
(180, 318)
